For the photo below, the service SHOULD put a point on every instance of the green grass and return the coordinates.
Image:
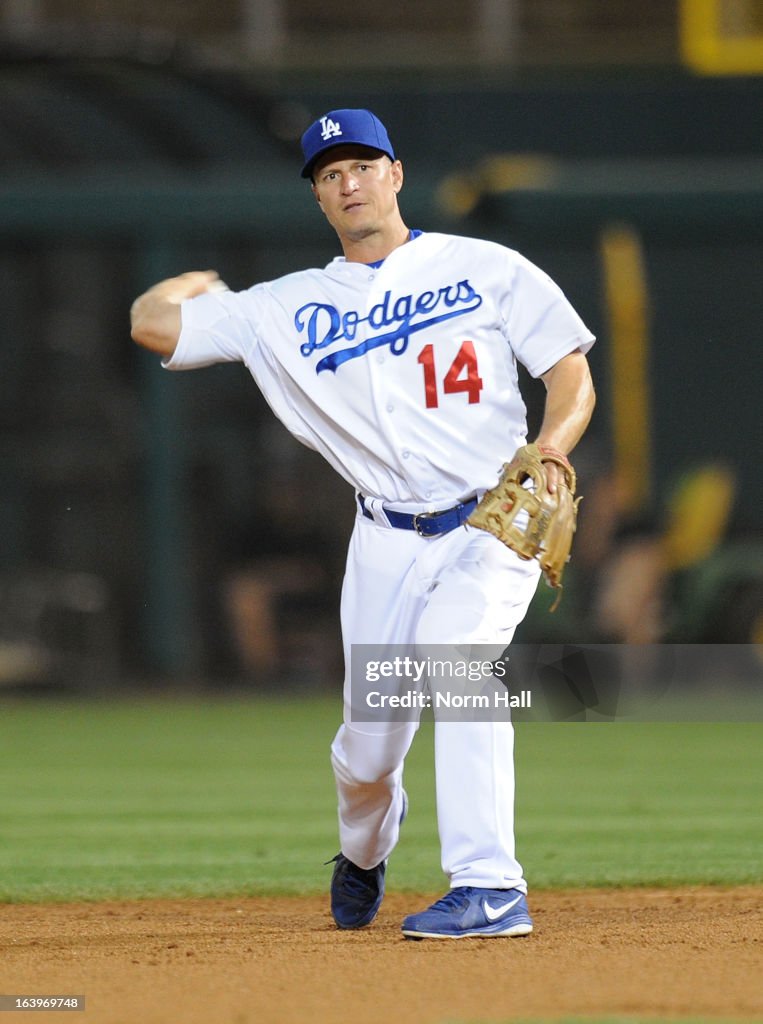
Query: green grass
(180, 797)
(640, 803)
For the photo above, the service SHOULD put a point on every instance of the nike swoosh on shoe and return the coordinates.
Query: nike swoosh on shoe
(496, 913)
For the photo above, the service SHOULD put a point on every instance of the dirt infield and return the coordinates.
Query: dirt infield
(657, 953)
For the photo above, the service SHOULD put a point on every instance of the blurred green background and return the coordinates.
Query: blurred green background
(160, 527)
(218, 797)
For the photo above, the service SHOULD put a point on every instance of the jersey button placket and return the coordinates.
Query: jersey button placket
(378, 378)
(382, 378)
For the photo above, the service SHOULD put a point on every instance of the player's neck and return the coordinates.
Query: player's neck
(376, 245)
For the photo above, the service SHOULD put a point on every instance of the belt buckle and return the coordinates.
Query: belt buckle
(423, 515)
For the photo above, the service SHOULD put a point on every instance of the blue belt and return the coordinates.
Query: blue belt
(426, 524)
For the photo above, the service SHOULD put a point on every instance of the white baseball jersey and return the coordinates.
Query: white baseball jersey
(403, 376)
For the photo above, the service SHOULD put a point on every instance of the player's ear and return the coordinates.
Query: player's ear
(316, 193)
(396, 173)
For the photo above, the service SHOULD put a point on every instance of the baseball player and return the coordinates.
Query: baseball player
(398, 363)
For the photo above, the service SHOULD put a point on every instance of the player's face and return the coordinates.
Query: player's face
(357, 190)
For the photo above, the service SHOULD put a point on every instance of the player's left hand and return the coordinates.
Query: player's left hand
(545, 533)
(554, 470)
(552, 477)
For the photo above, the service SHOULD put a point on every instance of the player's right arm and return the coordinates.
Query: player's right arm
(155, 315)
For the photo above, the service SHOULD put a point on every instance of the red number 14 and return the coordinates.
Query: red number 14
(462, 375)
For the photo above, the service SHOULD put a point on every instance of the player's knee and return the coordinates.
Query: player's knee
(369, 771)
(362, 760)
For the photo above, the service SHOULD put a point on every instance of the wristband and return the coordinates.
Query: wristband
(554, 452)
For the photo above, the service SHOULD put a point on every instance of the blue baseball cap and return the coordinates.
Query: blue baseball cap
(342, 127)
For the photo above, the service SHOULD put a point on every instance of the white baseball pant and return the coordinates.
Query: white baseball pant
(462, 588)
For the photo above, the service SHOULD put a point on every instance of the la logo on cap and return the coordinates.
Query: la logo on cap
(330, 128)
